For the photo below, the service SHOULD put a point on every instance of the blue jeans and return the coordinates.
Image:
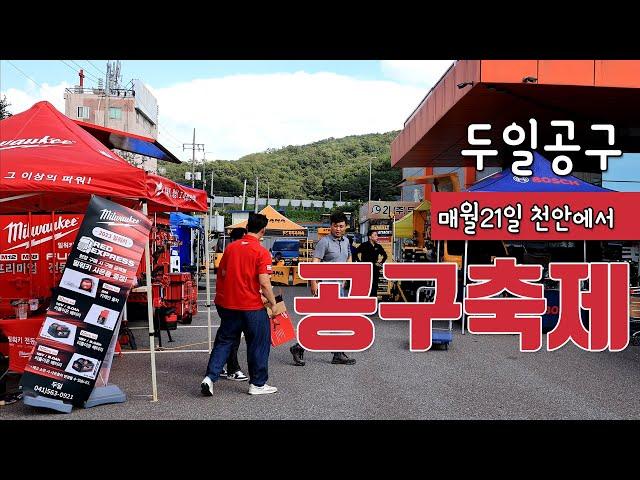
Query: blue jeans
(343, 293)
(257, 332)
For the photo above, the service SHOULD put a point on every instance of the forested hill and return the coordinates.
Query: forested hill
(319, 170)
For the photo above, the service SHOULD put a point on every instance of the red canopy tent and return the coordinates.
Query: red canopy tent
(47, 162)
(165, 195)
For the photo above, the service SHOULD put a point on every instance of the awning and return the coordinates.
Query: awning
(129, 142)
(500, 92)
(278, 225)
(166, 195)
(403, 228)
(47, 162)
(542, 180)
(183, 220)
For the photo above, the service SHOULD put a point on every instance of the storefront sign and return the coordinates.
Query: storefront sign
(379, 209)
(84, 312)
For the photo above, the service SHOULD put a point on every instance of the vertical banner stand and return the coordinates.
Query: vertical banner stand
(41, 401)
(101, 395)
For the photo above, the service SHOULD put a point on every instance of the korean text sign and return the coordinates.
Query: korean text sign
(534, 216)
(84, 311)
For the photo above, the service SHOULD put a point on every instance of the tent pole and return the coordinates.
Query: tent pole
(464, 282)
(198, 258)
(207, 280)
(437, 251)
(584, 243)
(393, 240)
(18, 197)
(147, 260)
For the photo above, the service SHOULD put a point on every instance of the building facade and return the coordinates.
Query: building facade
(133, 110)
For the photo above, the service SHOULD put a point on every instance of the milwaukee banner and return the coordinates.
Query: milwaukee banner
(85, 308)
(33, 251)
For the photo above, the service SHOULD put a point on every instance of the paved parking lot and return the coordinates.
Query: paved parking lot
(479, 377)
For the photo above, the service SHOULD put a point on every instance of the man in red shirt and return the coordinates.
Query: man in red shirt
(244, 272)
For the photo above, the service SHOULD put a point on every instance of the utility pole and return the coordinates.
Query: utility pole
(256, 199)
(204, 173)
(193, 146)
(211, 183)
(369, 179)
(244, 193)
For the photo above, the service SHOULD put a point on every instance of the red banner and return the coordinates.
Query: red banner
(33, 252)
(535, 216)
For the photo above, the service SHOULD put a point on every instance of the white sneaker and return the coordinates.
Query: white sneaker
(263, 390)
(238, 376)
(206, 387)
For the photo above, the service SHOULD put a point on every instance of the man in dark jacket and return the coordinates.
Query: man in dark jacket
(371, 251)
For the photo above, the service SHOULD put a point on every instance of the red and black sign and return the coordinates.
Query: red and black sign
(33, 251)
(85, 308)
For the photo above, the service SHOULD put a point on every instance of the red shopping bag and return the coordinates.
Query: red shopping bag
(281, 329)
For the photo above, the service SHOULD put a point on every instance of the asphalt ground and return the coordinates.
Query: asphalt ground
(478, 377)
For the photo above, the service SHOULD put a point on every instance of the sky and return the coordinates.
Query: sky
(242, 107)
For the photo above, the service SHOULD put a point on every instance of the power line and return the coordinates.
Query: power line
(164, 130)
(101, 71)
(84, 69)
(70, 67)
(28, 77)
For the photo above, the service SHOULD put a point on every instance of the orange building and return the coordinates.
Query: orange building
(500, 92)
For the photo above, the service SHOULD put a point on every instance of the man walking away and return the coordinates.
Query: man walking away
(370, 251)
(233, 370)
(331, 248)
(243, 274)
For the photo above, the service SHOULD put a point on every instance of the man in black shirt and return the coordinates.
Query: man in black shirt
(370, 251)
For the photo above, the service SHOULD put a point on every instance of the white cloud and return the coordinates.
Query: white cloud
(241, 114)
(423, 73)
(22, 100)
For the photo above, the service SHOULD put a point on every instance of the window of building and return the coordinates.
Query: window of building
(83, 112)
(115, 113)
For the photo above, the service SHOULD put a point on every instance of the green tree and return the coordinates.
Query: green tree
(4, 108)
(319, 170)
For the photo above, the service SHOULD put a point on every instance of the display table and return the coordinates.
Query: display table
(22, 336)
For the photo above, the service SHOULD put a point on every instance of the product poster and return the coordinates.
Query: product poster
(83, 314)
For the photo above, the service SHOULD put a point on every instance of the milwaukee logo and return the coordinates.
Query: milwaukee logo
(113, 217)
(45, 141)
(19, 231)
(556, 181)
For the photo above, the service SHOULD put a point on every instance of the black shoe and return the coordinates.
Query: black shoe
(342, 359)
(298, 354)
(206, 387)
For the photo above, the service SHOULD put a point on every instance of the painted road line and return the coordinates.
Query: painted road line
(179, 327)
(165, 351)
